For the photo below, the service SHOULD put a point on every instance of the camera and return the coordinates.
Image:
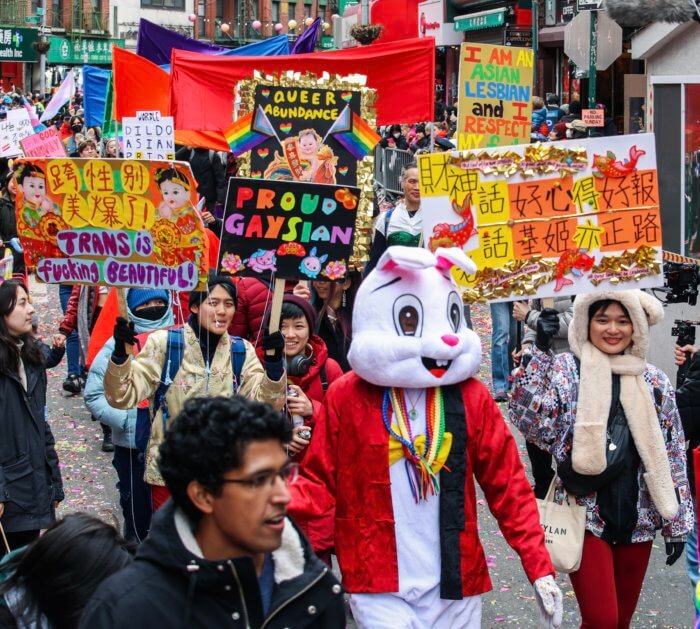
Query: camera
(681, 280)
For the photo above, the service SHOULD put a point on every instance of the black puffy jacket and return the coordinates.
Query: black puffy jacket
(169, 585)
(688, 401)
(30, 479)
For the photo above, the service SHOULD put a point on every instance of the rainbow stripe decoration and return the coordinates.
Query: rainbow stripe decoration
(248, 131)
(359, 140)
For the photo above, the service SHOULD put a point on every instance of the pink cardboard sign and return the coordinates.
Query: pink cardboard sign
(43, 144)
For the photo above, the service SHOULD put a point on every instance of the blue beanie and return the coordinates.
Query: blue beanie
(138, 296)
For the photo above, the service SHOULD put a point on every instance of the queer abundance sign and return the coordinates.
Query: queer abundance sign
(546, 220)
(292, 230)
(112, 222)
(495, 94)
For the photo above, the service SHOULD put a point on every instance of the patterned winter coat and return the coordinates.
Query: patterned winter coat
(543, 408)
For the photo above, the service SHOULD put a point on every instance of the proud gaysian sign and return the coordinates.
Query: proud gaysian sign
(111, 222)
(292, 230)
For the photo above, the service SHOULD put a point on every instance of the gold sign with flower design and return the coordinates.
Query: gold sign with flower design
(302, 128)
(112, 222)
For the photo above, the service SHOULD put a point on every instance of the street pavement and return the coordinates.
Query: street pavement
(89, 480)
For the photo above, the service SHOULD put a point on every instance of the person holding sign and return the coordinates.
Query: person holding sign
(309, 369)
(197, 359)
(611, 422)
(403, 224)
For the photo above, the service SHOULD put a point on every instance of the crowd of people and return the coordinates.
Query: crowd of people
(246, 457)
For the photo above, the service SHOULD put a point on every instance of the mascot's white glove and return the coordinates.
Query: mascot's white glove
(549, 600)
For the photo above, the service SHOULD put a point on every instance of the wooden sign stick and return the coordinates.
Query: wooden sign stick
(276, 309)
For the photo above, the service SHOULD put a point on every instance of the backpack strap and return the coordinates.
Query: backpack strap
(238, 356)
(387, 218)
(324, 378)
(174, 350)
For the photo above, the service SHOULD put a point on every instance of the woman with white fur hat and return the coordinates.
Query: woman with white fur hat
(611, 422)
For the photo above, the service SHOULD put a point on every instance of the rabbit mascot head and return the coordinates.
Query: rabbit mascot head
(408, 321)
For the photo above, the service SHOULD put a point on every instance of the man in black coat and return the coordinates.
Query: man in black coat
(210, 173)
(221, 552)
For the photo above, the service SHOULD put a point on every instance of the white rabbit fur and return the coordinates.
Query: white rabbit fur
(382, 353)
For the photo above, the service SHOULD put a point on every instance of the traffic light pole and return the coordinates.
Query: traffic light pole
(592, 62)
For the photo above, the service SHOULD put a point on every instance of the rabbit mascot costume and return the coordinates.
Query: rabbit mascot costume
(397, 448)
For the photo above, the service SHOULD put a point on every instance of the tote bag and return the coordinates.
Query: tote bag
(564, 526)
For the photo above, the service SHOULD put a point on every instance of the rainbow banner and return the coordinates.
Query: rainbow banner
(360, 140)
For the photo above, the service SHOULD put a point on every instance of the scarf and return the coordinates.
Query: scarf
(590, 428)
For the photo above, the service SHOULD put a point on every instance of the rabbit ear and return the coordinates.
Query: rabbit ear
(454, 256)
(406, 257)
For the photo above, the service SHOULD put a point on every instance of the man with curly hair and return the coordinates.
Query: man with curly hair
(223, 549)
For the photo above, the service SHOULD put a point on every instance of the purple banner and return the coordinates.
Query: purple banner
(155, 43)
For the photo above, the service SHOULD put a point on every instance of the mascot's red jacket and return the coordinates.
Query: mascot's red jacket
(409, 333)
(346, 468)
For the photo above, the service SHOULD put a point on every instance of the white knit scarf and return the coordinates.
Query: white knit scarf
(590, 428)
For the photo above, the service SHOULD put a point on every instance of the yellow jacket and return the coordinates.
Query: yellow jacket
(137, 379)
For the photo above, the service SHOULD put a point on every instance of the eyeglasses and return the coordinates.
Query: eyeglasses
(289, 474)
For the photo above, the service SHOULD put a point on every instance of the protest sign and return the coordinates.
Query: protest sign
(46, 143)
(16, 126)
(293, 230)
(561, 218)
(495, 96)
(112, 222)
(149, 135)
(593, 117)
(6, 264)
(298, 130)
(300, 127)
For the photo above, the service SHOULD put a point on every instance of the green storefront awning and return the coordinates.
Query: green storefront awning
(482, 20)
(85, 50)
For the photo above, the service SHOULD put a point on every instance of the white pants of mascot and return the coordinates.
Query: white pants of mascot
(417, 604)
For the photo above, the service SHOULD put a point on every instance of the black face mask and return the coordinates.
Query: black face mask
(152, 313)
(77, 128)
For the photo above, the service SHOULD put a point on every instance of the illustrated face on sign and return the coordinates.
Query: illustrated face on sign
(408, 327)
(308, 144)
(174, 195)
(175, 188)
(34, 189)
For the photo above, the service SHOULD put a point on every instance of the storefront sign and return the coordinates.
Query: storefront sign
(520, 36)
(479, 21)
(431, 24)
(16, 44)
(495, 91)
(79, 51)
(593, 117)
(548, 220)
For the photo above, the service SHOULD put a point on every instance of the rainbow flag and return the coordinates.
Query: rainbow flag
(360, 140)
(248, 131)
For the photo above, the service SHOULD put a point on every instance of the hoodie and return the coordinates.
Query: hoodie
(170, 584)
(122, 422)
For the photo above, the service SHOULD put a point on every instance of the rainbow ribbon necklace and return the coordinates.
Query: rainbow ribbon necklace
(421, 478)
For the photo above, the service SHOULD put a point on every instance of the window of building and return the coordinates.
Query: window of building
(56, 13)
(201, 14)
(275, 15)
(178, 5)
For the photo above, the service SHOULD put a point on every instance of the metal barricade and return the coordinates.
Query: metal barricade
(388, 164)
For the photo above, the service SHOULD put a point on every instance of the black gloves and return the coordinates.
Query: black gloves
(123, 333)
(547, 327)
(274, 341)
(673, 552)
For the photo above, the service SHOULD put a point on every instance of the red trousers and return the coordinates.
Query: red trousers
(609, 581)
(159, 496)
